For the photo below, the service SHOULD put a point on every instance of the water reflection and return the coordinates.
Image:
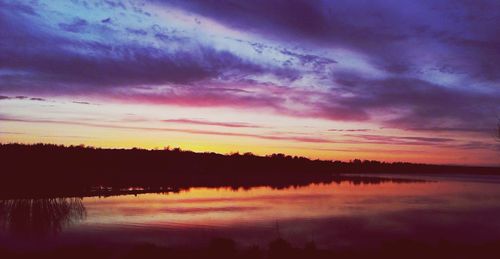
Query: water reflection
(345, 214)
(355, 213)
(40, 216)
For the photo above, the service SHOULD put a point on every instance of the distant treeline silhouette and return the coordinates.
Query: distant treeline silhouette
(72, 170)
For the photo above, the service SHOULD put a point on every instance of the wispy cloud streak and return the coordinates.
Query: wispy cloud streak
(213, 123)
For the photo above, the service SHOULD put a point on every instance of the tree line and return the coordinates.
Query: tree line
(78, 168)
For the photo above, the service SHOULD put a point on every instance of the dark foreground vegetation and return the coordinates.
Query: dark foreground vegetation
(52, 170)
(221, 248)
(30, 218)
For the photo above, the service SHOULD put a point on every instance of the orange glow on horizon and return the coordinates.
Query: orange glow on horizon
(114, 125)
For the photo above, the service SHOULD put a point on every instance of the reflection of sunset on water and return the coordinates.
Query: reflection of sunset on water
(199, 207)
(338, 215)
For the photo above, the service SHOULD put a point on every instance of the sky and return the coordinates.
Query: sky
(403, 80)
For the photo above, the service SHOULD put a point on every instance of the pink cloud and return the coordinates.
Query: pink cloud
(213, 123)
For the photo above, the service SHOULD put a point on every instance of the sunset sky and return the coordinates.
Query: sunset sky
(400, 80)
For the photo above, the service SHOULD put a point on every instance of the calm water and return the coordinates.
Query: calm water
(336, 215)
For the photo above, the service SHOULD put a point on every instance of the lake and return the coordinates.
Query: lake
(337, 215)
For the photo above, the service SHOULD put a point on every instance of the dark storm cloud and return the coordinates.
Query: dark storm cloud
(17, 7)
(118, 65)
(389, 31)
(417, 104)
(47, 60)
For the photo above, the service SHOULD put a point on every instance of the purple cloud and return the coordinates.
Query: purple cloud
(430, 66)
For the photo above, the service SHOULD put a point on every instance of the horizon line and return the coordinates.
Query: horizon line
(179, 149)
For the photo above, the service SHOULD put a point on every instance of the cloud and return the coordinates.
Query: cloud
(352, 138)
(480, 145)
(408, 65)
(77, 25)
(369, 150)
(401, 140)
(189, 131)
(12, 133)
(37, 99)
(213, 123)
(349, 130)
(80, 102)
(392, 34)
(22, 97)
(17, 7)
(129, 66)
(82, 64)
(450, 129)
(415, 103)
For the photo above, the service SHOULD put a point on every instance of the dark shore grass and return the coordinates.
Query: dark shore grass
(222, 248)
